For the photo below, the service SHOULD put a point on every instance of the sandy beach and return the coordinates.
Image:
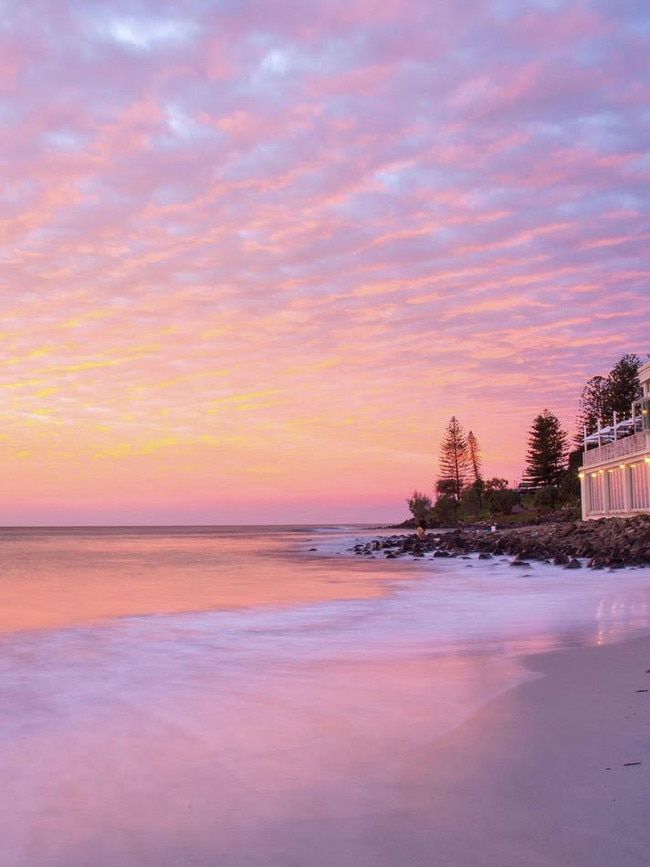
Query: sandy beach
(551, 774)
(419, 712)
(555, 772)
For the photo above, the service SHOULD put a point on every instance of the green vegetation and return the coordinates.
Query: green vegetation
(420, 506)
(604, 396)
(546, 459)
(550, 479)
(499, 498)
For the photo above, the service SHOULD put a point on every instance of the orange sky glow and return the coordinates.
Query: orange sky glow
(255, 255)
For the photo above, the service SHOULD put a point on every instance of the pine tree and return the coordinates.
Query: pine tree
(592, 407)
(454, 457)
(547, 451)
(603, 396)
(474, 457)
(623, 387)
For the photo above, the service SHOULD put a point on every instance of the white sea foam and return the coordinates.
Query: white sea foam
(188, 738)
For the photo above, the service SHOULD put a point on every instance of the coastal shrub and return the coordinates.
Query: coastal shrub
(420, 506)
(570, 483)
(547, 499)
(470, 501)
(495, 484)
(446, 509)
(501, 501)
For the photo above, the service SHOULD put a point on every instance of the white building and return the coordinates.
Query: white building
(615, 474)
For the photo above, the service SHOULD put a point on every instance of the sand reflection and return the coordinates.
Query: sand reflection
(209, 769)
(620, 616)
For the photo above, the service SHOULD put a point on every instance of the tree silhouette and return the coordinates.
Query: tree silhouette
(474, 457)
(454, 458)
(592, 407)
(603, 396)
(420, 506)
(623, 386)
(547, 451)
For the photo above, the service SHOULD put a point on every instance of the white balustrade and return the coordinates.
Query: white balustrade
(638, 442)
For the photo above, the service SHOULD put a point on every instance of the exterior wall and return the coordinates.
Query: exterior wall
(644, 378)
(615, 478)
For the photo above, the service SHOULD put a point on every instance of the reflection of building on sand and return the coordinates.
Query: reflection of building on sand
(615, 619)
(619, 618)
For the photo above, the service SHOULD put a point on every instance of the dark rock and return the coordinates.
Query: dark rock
(573, 564)
(608, 542)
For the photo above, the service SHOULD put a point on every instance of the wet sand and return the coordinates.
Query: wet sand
(555, 772)
(345, 765)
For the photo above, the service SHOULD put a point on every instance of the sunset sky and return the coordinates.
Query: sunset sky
(255, 254)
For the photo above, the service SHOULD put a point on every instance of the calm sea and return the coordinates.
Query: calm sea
(251, 696)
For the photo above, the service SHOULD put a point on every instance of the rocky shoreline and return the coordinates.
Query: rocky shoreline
(605, 543)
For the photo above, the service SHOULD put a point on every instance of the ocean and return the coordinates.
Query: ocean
(253, 695)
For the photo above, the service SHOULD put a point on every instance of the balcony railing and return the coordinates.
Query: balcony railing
(638, 442)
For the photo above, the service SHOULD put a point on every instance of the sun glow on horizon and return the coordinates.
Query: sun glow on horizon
(253, 264)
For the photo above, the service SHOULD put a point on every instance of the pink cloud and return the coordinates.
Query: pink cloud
(241, 239)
